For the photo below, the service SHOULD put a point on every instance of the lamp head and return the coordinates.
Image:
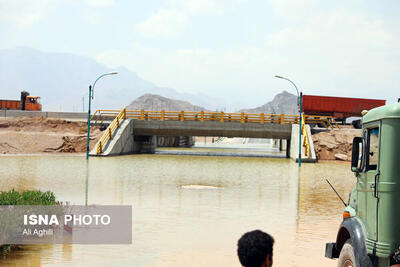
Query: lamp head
(113, 73)
(280, 77)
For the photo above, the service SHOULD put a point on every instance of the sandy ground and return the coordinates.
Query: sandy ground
(44, 135)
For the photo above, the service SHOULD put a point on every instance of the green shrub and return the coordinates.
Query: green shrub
(13, 197)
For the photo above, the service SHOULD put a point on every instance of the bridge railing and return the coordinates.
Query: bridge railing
(101, 115)
(327, 121)
(306, 143)
(108, 134)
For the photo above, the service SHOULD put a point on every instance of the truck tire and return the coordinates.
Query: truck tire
(347, 256)
(357, 124)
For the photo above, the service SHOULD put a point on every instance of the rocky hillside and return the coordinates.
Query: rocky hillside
(283, 103)
(335, 144)
(157, 102)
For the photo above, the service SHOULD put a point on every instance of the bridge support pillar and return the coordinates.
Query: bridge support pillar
(144, 144)
(288, 148)
(294, 149)
(280, 145)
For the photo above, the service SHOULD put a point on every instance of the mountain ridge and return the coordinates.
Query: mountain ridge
(61, 80)
(157, 102)
(282, 103)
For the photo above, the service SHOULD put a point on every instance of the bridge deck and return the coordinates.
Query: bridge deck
(212, 128)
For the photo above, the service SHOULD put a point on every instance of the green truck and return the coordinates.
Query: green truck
(370, 232)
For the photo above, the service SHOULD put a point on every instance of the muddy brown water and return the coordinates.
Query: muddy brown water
(188, 210)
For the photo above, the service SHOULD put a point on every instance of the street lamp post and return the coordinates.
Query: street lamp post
(300, 104)
(91, 95)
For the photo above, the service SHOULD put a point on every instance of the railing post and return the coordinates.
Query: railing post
(333, 120)
(242, 117)
(182, 115)
(262, 118)
(202, 116)
(142, 115)
(109, 133)
(282, 119)
(304, 132)
(222, 116)
(162, 115)
(327, 119)
(124, 112)
(100, 148)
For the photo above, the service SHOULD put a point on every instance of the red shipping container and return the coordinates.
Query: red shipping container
(10, 104)
(338, 107)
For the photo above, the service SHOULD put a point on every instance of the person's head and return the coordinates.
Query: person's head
(255, 249)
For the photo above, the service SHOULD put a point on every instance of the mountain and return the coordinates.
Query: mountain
(157, 102)
(198, 99)
(283, 103)
(62, 80)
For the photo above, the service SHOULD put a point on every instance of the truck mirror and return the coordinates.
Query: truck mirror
(356, 156)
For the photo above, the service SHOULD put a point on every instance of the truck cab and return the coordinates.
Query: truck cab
(369, 234)
(33, 103)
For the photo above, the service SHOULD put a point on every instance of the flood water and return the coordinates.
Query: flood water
(176, 222)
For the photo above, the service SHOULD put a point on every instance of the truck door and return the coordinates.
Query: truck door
(372, 135)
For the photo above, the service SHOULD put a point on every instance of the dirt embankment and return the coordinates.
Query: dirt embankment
(44, 135)
(335, 144)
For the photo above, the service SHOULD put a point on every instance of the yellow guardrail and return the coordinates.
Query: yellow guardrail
(304, 133)
(327, 121)
(110, 130)
(101, 115)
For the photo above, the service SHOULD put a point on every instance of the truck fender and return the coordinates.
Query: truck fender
(351, 228)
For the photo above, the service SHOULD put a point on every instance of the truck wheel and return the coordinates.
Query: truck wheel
(357, 124)
(347, 257)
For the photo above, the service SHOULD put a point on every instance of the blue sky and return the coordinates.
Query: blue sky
(230, 49)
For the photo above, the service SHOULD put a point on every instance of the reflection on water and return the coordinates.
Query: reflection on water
(188, 210)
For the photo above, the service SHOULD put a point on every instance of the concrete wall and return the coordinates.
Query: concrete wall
(294, 145)
(125, 141)
(46, 114)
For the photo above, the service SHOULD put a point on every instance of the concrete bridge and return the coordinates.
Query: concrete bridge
(134, 132)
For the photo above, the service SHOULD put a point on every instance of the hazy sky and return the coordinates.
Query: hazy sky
(226, 48)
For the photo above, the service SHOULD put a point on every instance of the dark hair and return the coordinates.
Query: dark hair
(253, 248)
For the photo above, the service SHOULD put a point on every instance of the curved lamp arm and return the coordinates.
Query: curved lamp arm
(280, 77)
(110, 73)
